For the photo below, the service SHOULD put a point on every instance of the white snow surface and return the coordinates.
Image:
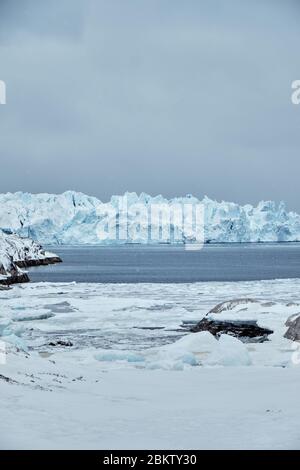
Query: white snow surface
(110, 366)
(73, 218)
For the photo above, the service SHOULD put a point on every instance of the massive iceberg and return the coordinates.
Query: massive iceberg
(74, 218)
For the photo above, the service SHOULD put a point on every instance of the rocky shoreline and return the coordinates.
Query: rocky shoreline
(18, 279)
(17, 253)
(40, 262)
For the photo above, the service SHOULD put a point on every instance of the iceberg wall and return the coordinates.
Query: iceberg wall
(74, 218)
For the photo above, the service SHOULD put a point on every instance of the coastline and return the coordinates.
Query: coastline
(17, 253)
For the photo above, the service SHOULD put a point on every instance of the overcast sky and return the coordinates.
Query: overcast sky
(161, 96)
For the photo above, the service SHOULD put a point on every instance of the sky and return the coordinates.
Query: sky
(166, 97)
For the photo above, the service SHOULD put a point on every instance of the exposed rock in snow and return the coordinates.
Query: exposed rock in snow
(293, 331)
(255, 321)
(9, 271)
(230, 304)
(256, 333)
(17, 253)
(246, 330)
(74, 218)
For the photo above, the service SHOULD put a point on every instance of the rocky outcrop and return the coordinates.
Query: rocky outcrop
(38, 262)
(10, 273)
(230, 304)
(243, 330)
(246, 330)
(15, 279)
(17, 253)
(293, 323)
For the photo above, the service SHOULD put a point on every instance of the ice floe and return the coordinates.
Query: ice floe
(148, 327)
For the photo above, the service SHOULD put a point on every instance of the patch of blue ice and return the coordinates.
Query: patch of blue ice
(111, 356)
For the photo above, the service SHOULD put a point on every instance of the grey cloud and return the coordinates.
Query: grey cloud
(165, 97)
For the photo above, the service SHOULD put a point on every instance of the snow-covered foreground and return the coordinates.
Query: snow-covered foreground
(244, 408)
(111, 366)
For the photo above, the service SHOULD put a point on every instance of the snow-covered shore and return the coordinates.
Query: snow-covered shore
(114, 366)
(17, 253)
(84, 408)
(73, 218)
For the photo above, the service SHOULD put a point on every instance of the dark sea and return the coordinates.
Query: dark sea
(171, 264)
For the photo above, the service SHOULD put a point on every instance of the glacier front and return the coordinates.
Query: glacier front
(74, 218)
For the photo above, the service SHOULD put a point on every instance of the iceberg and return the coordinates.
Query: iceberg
(74, 218)
(230, 352)
(111, 356)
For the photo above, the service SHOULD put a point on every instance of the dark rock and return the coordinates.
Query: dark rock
(268, 304)
(293, 332)
(61, 342)
(246, 330)
(2, 287)
(7, 379)
(15, 279)
(240, 329)
(38, 262)
(18, 277)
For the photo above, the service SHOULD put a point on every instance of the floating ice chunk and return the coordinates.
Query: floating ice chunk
(188, 351)
(198, 345)
(167, 362)
(200, 349)
(195, 343)
(111, 356)
(15, 341)
(4, 326)
(33, 315)
(229, 352)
